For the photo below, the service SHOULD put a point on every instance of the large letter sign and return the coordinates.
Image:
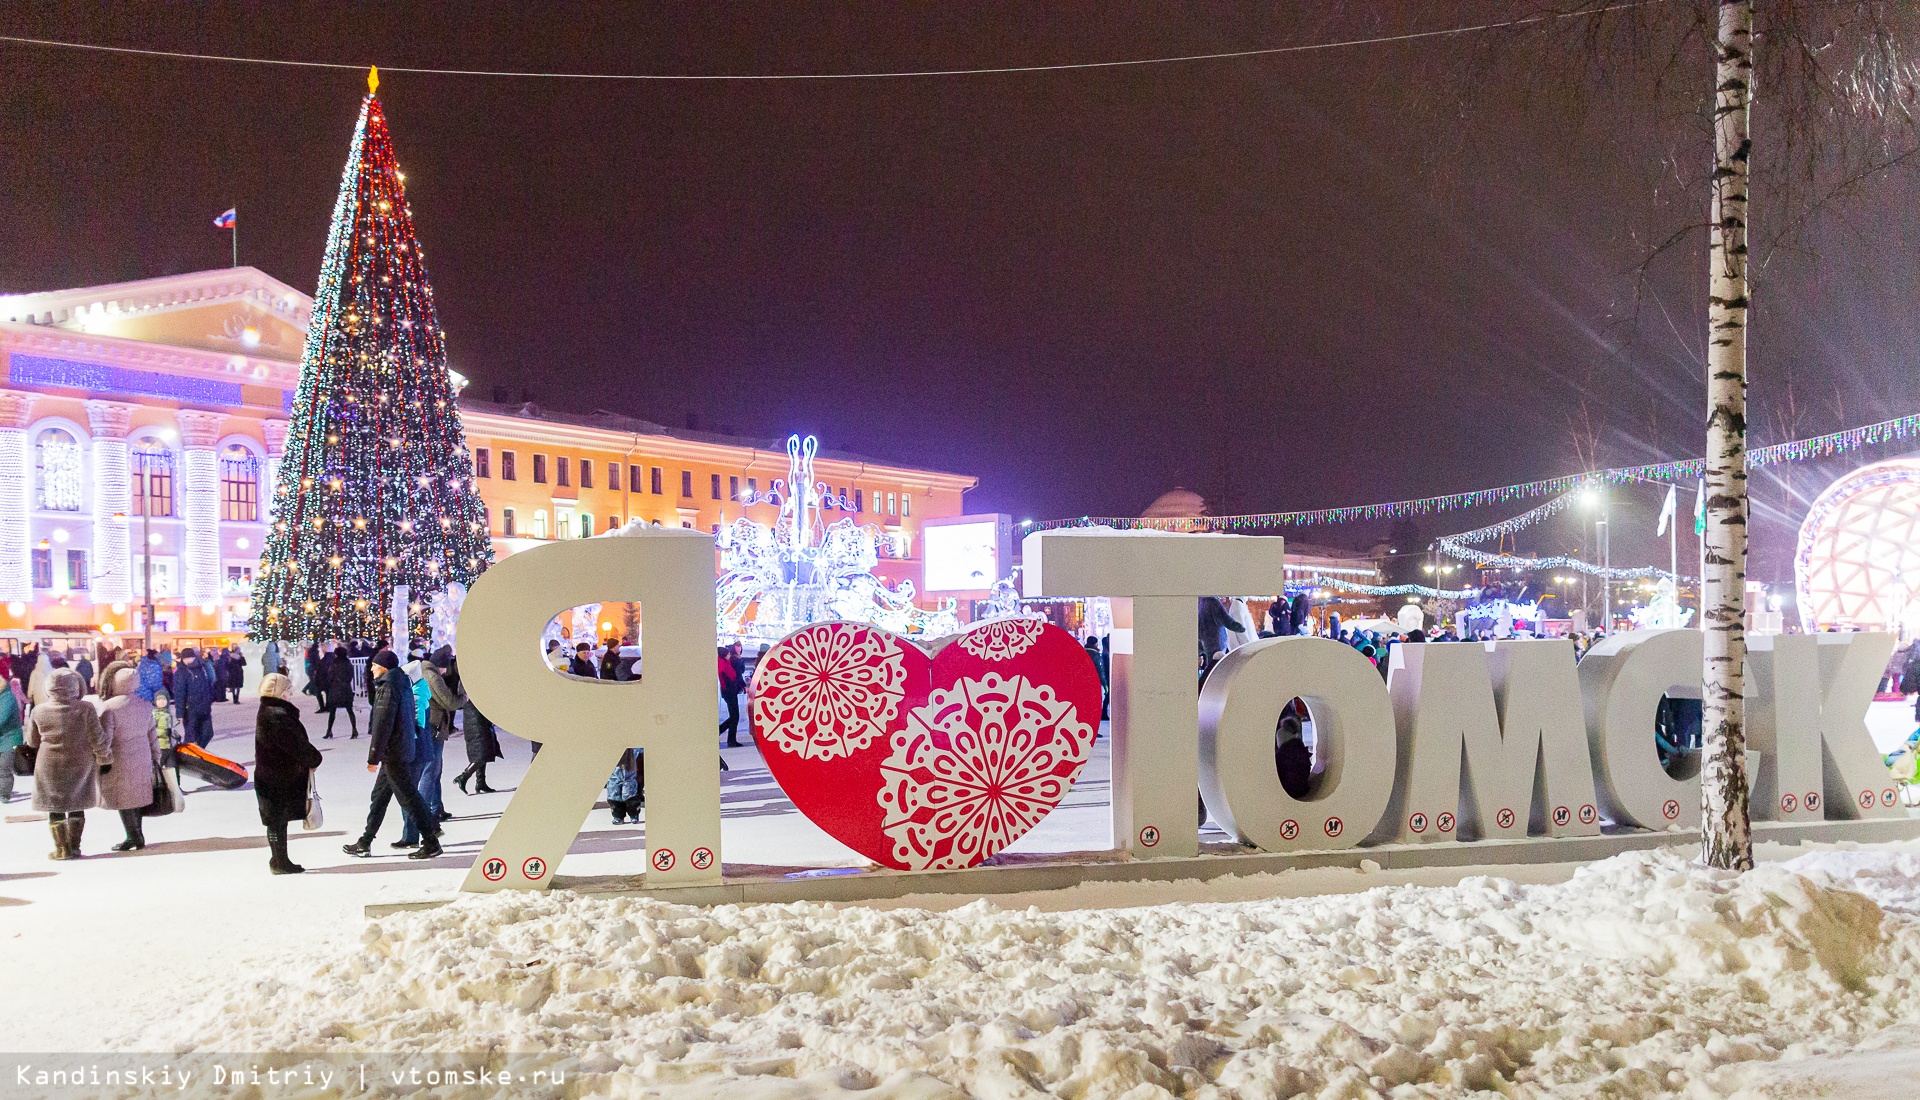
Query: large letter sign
(938, 758)
(1353, 734)
(584, 725)
(1156, 580)
(1476, 762)
(1623, 679)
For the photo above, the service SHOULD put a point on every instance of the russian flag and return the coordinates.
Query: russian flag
(227, 220)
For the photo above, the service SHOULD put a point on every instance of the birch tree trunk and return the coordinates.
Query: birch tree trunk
(1726, 832)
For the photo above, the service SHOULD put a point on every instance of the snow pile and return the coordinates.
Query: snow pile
(1642, 976)
(1890, 878)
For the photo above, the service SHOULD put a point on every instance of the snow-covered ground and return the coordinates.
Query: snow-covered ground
(1638, 977)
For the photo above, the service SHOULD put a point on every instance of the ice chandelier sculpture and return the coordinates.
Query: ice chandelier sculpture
(775, 580)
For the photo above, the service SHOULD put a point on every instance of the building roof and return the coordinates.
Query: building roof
(1176, 504)
(605, 420)
(70, 308)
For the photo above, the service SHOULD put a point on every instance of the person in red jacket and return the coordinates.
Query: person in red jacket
(731, 685)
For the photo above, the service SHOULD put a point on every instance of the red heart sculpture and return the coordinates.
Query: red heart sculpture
(916, 761)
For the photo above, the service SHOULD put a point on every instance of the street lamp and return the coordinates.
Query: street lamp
(1597, 495)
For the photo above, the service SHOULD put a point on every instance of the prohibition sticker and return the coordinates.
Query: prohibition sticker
(1149, 836)
(1588, 815)
(1866, 800)
(702, 858)
(1562, 815)
(663, 860)
(1789, 803)
(494, 869)
(1812, 800)
(1333, 826)
(1889, 796)
(1445, 822)
(534, 868)
(1418, 823)
(1670, 809)
(1504, 818)
(1289, 829)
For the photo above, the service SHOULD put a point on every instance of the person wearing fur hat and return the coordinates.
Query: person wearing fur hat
(283, 761)
(127, 723)
(72, 751)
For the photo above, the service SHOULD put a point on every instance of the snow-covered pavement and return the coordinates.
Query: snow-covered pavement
(1638, 977)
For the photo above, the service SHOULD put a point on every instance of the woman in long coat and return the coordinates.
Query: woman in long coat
(336, 690)
(127, 721)
(283, 759)
(73, 750)
(483, 744)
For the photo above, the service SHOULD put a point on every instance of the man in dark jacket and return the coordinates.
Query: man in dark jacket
(392, 733)
(193, 694)
(236, 671)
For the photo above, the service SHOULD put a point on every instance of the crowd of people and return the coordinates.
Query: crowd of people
(105, 739)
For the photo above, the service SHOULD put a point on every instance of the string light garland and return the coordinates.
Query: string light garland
(1395, 589)
(1684, 470)
(356, 515)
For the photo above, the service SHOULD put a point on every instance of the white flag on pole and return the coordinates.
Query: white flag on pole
(1666, 512)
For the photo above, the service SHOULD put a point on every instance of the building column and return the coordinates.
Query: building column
(112, 499)
(274, 433)
(16, 496)
(200, 505)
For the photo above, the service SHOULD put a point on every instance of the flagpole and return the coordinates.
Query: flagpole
(236, 236)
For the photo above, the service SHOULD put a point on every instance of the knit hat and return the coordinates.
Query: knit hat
(385, 659)
(275, 685)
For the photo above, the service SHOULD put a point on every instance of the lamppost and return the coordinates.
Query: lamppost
(1597, 495)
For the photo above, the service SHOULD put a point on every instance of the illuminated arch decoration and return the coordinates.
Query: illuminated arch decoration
(1858, 562)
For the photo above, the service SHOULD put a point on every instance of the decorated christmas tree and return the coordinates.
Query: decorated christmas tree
(376, 489)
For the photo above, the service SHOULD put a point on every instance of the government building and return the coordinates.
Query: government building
(142, 423)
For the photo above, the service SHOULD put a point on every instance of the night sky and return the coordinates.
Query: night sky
(1284, 282)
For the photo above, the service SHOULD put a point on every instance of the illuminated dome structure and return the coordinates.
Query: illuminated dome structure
(1176, 504)
(1858, 563)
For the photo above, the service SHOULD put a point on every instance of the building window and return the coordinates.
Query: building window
(638, 484)
(239, 485)
(859, 500)
(506, 521)
(77, 570)
(906, 505)
(753, 487)
(152, 480)
(481, 463)
(560, 471)
(539, 469)
(613, 476)
(656, 481)
(586, 523)
(540, 523)
(686, 484)
(733, 488)
(59, 460)
(892, 505)
(715, 483)
(613, 523)
(506, 465)
(239, 579)
(43, 569)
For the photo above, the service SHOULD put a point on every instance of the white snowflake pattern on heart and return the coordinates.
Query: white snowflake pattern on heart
(1002, 639)
(822, 694)
(977, 767)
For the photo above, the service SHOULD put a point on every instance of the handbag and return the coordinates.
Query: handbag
(314, 817)
(167, 798)
(23, 755)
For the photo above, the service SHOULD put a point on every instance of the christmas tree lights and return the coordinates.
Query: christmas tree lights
(376, 488)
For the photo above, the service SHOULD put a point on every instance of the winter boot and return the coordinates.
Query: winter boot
(280, 864)
(460, 780)
(58, 826)
(480, 781)
(429, 847)
(361, 848)
(130, 820)
(76, 824)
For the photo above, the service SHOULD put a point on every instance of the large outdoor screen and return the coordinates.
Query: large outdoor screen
(962, 556)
